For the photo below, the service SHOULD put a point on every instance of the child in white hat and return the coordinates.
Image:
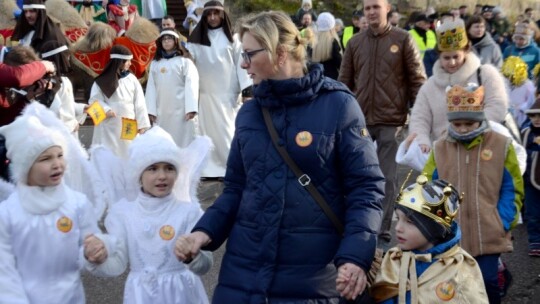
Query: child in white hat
(47, 230)
(150, 226)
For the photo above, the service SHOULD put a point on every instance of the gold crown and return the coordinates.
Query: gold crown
(452, 36)
(443, 211)
(459, 99)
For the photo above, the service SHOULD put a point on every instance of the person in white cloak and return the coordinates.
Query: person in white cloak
(149, 227)
(121, 96)
(48, 231)
(172, 90)
(64, 105)
(154, 9)
(217, 56)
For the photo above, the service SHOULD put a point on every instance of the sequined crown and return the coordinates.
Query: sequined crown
(459, 99)
(452, 36)
(442, 210)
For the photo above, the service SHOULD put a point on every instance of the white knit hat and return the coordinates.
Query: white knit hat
(154, 146)
(325, 22)
(26, 139)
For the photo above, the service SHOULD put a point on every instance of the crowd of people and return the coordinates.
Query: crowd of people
(305, 121)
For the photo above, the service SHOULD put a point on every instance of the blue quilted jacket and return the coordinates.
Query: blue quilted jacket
(281, 246)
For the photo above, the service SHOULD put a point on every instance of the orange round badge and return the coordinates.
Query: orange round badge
(304, 139)
(163, 70)
(486, 154)
(445, 290)
(394, 48)
(64, 224)
(166, 232)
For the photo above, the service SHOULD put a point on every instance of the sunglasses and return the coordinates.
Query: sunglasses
(247, 55)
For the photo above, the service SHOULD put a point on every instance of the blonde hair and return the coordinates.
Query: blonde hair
(322, 49)
(273, 30)
(99, 36)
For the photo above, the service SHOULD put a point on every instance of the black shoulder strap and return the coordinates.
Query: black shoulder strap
(303, 178)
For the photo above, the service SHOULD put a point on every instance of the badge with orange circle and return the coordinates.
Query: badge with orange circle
(64, 224)
(166, 232)
(163, 70)
(486, 154)
(445, 290)
(304, 139)
(394, 48)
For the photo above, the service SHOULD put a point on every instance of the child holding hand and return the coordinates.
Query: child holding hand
(48, 231)
(149, 227)
(428, 265)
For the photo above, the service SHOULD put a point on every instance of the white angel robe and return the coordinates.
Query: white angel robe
(65, 107)
(221, 82)
(147, 229)
(42, 230)
(172, 91)
(127, 101)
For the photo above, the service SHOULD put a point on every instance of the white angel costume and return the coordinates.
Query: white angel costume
(42, 229)
(172, 91)
(221, 81)
(416, 159)
(147, 228)
(128, 102)
(68, 111)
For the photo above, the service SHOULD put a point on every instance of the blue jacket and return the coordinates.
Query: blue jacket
(530, 54)
(281, 246)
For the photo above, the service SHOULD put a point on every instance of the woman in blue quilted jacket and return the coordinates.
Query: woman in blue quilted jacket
(282, 247)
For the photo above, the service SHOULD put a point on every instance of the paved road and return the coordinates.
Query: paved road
(525, 270)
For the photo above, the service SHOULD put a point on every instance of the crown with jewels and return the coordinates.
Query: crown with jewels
(442, 207)
(460, 99)
(452, 36)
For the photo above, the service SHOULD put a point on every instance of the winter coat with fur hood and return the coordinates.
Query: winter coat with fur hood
(428, 117)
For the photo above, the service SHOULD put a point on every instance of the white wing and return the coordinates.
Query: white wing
(193, 161)
(80, 175)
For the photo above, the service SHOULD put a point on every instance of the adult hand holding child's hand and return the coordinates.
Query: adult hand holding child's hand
(188, 246)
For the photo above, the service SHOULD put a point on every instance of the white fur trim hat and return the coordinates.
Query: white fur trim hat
(325, 22)
(154, 146)
(26, 139)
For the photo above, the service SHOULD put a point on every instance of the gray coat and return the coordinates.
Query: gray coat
(488, 51)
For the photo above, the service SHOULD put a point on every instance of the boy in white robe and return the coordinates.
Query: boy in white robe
(121, 96)
(172, 90)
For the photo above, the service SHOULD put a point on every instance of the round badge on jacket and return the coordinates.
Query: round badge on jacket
(304, 139)
(445, 290)
(64, 224)
(486, 154)
(394, 48)
(166, 232)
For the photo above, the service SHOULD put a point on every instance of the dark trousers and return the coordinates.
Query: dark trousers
(532, 215)
(489, 265)
(387, 147)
